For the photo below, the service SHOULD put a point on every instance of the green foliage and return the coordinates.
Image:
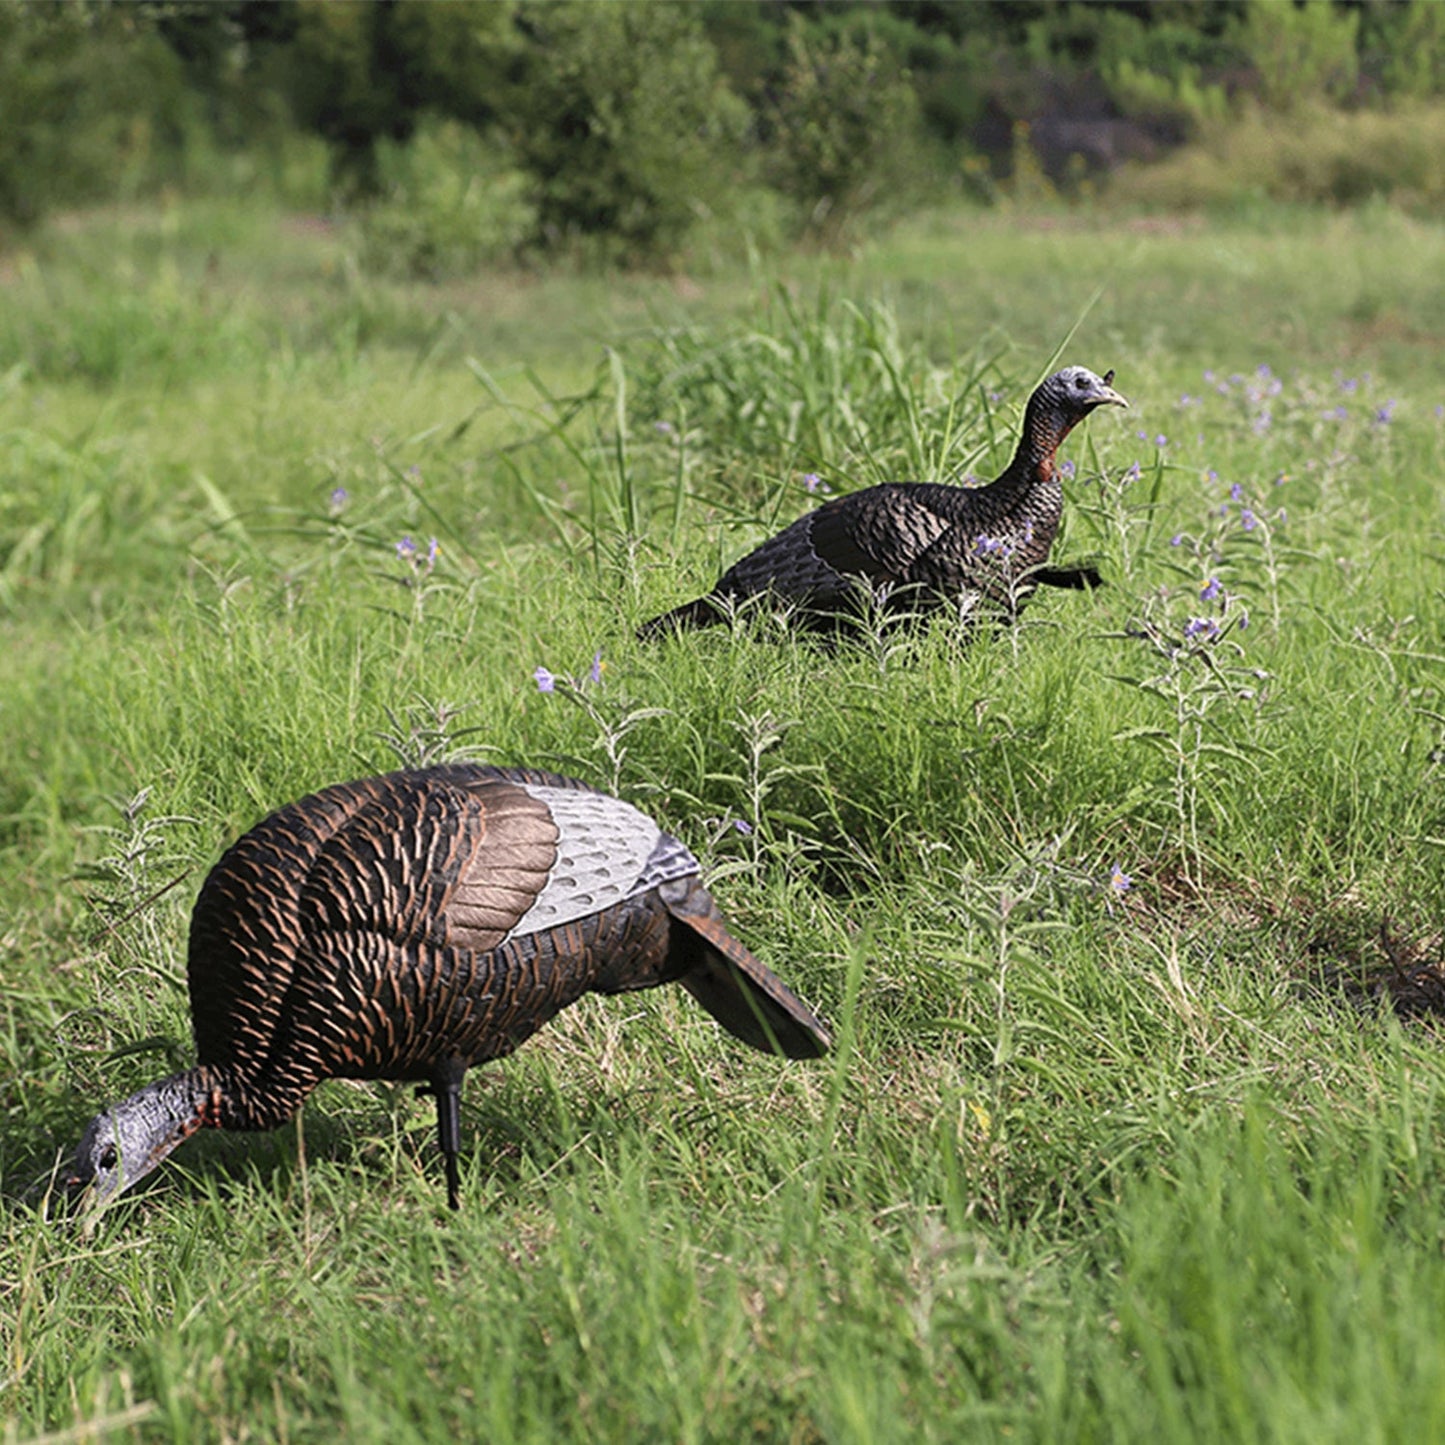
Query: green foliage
(1301, 53)
(88, 106)
(846, 122)
(625, 125)
(633, 120)
(1330, 157)
(358, 74)
(1142, 91)
(451, 203)
(1403, 45)
(782, 397)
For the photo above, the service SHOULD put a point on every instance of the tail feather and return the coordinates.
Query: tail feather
(1079, 578)
(745, 996)
(701, 612)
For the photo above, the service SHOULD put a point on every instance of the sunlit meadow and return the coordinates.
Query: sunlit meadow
(1127, 918)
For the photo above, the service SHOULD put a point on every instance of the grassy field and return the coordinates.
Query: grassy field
(1122, 1138)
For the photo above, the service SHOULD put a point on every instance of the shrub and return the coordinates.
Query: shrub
(1147, 93)
(360, 75)
(1300, 53)
(1402, 48)
(86, 105)
(846, 118)
(624, 123)
(1328, 156)
(452, 202)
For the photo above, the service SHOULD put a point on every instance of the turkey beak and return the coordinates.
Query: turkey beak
(73, 1189)
(1106, 395)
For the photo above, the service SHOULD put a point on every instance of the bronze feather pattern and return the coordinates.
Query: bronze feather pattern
(366, 932)
(920, 546)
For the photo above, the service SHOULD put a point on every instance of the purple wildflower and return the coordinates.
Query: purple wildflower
(413, 473)
(1177, 540)
(1439, 409)
(1263, 370)
(1262, 423)
(1161, 440)
(1336, 413)
(1243, 620)
(812, 481)
(1208, 375)
(1067, 470)
(743, 827)
(545, 681)
(433, 551)
(1205, 628)
(595, 671)
(1236, 492)
(1210, 590)
(406, 549)
(1349, 385)
(1119, 881)
(1385, 414)
(663, 428)
(1247, 519)
(1211, 475)
(1133, 474)
(339, 498)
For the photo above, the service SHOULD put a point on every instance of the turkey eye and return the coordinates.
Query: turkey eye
(108, 1157)
(1080, 382)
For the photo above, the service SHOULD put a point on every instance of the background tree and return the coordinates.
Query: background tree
(356, 74)
(845, 117)
(620, 115)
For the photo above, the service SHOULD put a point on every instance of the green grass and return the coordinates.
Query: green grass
(1087, 1165)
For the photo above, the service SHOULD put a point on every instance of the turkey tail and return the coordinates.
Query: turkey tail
(1080, 578)
(745, 996)
(702, 612)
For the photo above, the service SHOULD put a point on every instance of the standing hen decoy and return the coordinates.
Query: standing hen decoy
(918, 546)
(412, 925)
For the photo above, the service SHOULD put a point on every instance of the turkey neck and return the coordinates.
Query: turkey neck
(172, 1109)
(1032, 467)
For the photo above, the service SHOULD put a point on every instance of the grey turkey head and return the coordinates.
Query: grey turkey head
(1075, 391)
(123, 1145)
(1058, 405)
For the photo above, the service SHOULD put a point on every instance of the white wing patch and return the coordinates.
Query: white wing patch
(606, 852)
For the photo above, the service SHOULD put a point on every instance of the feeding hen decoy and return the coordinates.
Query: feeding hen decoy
(918, 546)
(412, 925)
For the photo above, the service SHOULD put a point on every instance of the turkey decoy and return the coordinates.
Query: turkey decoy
(411, 925)
(918, 545)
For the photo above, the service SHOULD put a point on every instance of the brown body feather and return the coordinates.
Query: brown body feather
(915, 547)
(395, 928)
